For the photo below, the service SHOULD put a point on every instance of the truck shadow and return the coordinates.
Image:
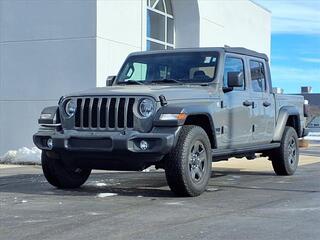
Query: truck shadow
(135, 184)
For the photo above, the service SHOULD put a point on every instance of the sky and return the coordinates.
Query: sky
(295, 43)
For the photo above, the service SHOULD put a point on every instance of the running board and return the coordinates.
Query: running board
(237, 151)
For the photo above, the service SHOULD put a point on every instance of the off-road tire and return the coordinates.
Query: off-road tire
(285, 159)
(60, 176)
(178, 165)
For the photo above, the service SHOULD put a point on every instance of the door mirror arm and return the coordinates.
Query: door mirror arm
(227, 89)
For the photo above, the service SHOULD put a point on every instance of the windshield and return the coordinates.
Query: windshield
(178, 68)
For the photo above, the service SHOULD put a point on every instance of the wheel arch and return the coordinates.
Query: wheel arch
(199, 115)
(288, 116)
(205, 121)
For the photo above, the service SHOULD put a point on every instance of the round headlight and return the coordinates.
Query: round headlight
(146, 107)
(71, 108)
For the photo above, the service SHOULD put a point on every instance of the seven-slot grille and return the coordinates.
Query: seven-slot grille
(104, 113)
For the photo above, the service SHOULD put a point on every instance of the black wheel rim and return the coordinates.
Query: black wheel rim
(292, 152)
(197, 164)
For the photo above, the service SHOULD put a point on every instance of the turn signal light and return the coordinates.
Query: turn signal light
(173, 116)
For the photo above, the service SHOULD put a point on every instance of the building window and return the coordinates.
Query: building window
(160, 25)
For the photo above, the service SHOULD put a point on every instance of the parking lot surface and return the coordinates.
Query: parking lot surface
(244, 200)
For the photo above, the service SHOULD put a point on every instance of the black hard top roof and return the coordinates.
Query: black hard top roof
(236, 50)
(245, 51)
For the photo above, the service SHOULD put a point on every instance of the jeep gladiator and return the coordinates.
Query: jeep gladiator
(178, 110)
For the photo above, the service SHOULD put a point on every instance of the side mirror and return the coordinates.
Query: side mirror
(110, 80)
(235, 79)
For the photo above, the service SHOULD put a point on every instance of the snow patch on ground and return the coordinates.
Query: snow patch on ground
(100, 184)
(23, 155)
(94, 213)
(103, 183)
(212, 189)
(174, 203)
(103, 195)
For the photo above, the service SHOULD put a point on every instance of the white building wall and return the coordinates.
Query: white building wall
(187, 23)
(239, 23)
(47, 49)
(121, 27)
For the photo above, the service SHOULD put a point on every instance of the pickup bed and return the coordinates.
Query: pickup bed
(178, 110)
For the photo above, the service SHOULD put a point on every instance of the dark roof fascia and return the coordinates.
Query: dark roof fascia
(237, 50)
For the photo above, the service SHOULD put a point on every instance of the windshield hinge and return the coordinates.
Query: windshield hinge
(163, 100)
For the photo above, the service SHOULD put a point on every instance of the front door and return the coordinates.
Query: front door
(237, 124)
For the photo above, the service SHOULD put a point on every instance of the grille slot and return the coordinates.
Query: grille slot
(121, 113)
(104, 113)
(86, 113)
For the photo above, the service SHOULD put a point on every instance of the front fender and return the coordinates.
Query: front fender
(197, 114)
(201, 109)
(49, 116)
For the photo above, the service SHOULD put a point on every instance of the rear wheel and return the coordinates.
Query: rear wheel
(188, 166)
(60, 176)
(285, 159)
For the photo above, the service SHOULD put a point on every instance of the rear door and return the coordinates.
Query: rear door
(237, 124)
(268, 105)
(263, 104)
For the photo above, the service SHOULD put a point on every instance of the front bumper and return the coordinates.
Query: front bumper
(160, 141)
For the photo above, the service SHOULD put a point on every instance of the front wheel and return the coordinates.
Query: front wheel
(188, 166)
(61, 176)
(285, 159)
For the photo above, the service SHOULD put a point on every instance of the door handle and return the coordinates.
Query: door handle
(266, 104)
(247, 103)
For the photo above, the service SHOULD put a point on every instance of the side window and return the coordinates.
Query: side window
(258, 80)
(233, 64)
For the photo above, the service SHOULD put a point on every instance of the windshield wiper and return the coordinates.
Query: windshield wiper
(129, 82)
(167, 80)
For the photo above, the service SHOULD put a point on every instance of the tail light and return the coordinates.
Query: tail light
(306, 108)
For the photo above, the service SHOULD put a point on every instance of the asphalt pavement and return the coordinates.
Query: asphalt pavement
(244, 200)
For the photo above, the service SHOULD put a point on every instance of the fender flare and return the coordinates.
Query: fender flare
(283, 116)
(191, 110)
(49, 115)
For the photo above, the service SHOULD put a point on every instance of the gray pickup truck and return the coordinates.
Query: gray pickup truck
(178, 110)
